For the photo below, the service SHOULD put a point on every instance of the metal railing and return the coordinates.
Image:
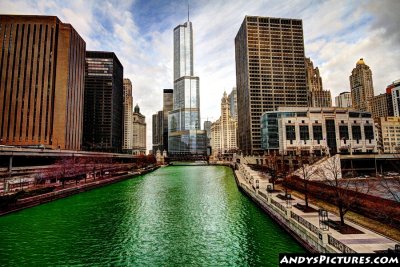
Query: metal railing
(304, 222)
(339, 245)
(279, 205)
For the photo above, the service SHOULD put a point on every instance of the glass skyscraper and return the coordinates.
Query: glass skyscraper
(184, 134)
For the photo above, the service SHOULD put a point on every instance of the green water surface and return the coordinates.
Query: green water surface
(175, 216)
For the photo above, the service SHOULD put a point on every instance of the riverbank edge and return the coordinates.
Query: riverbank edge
(283, 226)
(48, 197)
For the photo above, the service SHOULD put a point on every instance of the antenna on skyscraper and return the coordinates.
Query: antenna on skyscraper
(188, 9)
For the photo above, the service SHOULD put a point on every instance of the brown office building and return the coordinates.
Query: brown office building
(42, 68)
(270, 72)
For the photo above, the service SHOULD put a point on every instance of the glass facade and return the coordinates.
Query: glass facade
(184, 135)
(188, 142)
(183, 50)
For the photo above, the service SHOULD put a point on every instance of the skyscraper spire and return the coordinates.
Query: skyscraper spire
(188, 9)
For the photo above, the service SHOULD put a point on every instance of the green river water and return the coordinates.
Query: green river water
(175, 216)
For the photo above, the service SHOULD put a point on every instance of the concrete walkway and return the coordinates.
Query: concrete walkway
(365, 242)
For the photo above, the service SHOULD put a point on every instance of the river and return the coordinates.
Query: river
(178, 215)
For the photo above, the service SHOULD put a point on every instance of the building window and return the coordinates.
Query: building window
(290, 132)
(369, 132)
(304, 133)
(317, 132)
(343, 132)
(356, 130)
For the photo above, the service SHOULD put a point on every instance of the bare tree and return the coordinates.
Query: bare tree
(344, 190)
(391, 185)
(273, 168)
(308, 172)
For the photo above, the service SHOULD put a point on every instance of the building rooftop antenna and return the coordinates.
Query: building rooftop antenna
(188, 9)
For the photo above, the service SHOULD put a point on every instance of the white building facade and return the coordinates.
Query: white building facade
(295, 131)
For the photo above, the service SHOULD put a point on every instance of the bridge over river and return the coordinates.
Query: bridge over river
(177, 215)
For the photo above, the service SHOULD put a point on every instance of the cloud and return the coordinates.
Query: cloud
(336, 34)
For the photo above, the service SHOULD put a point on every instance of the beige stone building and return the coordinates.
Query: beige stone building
(223, 131)
(317, 97)
(388, 134)
(128, 119)
(42, 82)
(382, 105)
(138, 132)
(362, 88)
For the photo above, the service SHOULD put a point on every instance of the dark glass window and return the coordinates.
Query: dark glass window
(304, 133)
(343, 132)
(290, 132)
(356, 129)
(331, 136)
(317, 132)
(354, 114)
(369, 132)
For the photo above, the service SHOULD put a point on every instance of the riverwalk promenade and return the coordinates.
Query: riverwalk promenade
(308, 228)
(72, 189)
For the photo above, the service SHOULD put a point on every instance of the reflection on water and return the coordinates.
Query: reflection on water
(182, 215)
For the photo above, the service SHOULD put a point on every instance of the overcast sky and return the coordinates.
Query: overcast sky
(336, 33)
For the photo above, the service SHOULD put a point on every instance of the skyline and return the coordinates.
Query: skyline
(142, 38)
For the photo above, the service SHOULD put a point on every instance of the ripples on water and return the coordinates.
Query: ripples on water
(173, 216)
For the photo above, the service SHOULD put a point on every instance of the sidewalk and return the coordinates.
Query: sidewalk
(365, 242)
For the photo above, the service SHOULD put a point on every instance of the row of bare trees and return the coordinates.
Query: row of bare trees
(344, 193)
(74, 168)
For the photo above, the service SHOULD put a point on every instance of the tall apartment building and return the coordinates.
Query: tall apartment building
(128, 109)
(160, 122)
(317, 97)
(394, 90)
(42, 70)
(362, 88)
(184, 134)
(343, 100)
(223, 131)
(388, 134)
(270, 72)
(157, 130)
(382, 105)
(233, 102)
(103, 117)
(318, 131)
(139, 132)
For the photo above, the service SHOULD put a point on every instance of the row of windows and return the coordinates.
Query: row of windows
(317, 132)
